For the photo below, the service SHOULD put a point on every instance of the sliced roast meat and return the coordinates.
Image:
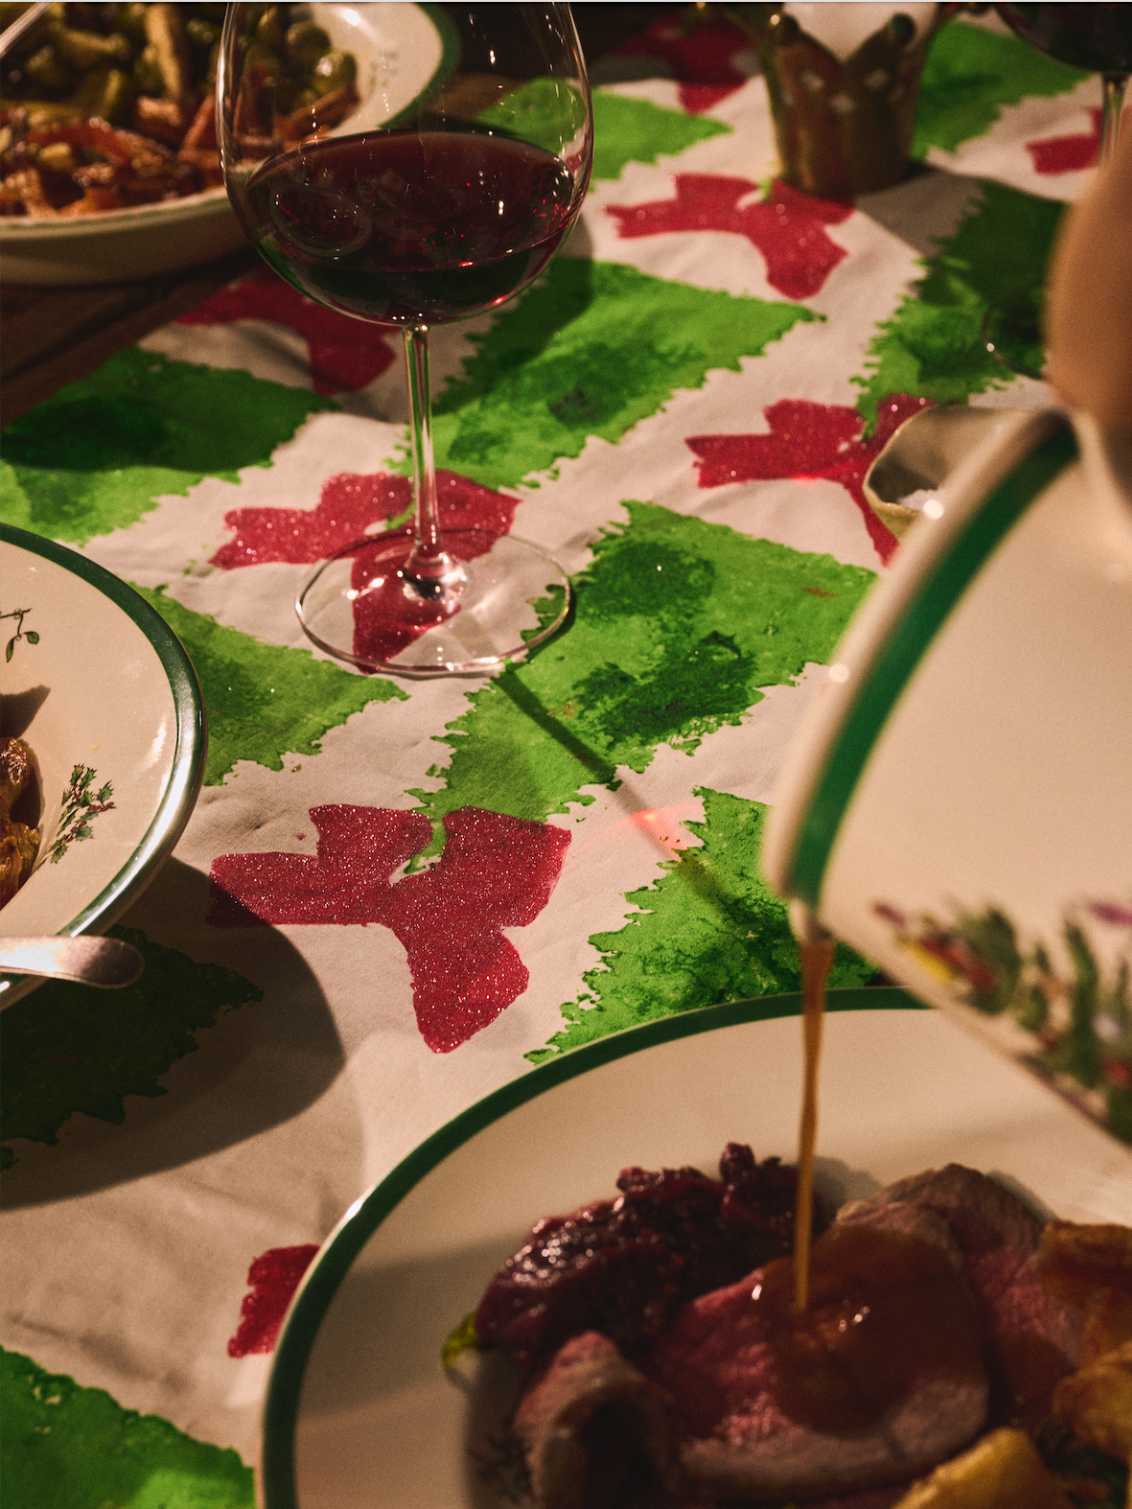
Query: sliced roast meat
(596, 1433)
(624, 1266)
(1033, 1339)
(928, 1313)
(863, 1498)
(881, 1379)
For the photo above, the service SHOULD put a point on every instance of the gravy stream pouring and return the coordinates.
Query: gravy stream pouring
(817, 957)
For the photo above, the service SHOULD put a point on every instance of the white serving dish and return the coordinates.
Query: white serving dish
(96, 680)
(395, 60)
(361, 1412)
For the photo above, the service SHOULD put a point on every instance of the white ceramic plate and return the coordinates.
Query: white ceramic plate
(396, 61)
(94, 681)
(359, 1411)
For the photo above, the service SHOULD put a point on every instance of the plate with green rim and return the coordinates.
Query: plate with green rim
(410, 51)
(359, 1408)
(102, 692)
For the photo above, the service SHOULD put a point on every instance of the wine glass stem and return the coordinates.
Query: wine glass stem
(1114, 85)
(429, 568)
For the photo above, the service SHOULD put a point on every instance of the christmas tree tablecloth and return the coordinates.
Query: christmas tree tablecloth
(682, 411)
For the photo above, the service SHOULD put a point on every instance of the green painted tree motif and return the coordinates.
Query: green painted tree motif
(632, 130)
(708, 930)
(625, 129)
(678, 626)
(58, 1056)
(984, 281)
(71, 1447)
(592, 349)
(264, 701)
(99, 453)
(971, 74)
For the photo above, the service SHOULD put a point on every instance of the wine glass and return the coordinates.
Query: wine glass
(411, 165)
(1097, 37)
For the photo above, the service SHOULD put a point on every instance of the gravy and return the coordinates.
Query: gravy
(885, 1315)
(866, 1315)
(817, 957)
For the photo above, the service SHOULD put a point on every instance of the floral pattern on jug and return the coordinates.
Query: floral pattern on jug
(1073, 997)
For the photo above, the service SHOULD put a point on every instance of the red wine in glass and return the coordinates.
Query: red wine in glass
(439, 189)
(1097, 37)
(411, 228)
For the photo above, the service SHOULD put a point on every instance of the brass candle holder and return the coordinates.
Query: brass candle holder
(844, 124)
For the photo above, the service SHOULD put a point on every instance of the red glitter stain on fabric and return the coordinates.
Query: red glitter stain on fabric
(349, 505)
(495, 872)
(787, 227)
(809, 440)
(702, 57)
(344, 354)
(1068, 154)
(272, 1280)
(381, 629)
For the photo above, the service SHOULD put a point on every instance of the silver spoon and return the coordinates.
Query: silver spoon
(107, 963)
(16, 28)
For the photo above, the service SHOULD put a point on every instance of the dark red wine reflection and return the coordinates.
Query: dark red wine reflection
(412, 228)
(1097, 37)
(387, 616)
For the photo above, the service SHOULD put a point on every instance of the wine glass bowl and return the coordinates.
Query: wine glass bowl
(1093, 36)
(413, 229)
(432, 195)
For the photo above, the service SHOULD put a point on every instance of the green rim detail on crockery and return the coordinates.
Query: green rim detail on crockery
(316, 1293)
(889, 673)
(450, 50)
(187, 764)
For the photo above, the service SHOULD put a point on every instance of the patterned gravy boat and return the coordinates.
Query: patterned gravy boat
(958, 805)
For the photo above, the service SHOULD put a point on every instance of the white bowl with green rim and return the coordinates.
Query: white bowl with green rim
(360, 1410)
(102, 691)
(395, 62)
(958, 806)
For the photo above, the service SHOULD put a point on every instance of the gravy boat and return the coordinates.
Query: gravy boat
(958, 803)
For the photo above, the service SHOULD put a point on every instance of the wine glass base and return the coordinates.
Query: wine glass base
(362, 606)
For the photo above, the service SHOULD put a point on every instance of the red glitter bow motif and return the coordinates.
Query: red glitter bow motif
(787, 227)
(495, 872)
(1068, 154)
(344, 354)
(701, 55)
(349, 505)
(809, 440)
(272, 1280)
